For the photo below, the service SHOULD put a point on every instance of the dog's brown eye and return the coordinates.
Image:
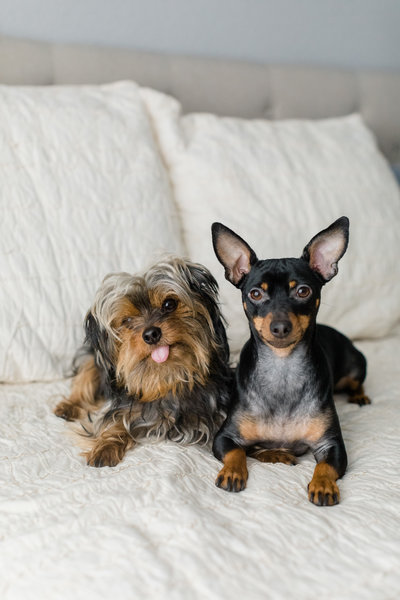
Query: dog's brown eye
(303, 291)
(169, 305)
(127, 321)
(255, 294)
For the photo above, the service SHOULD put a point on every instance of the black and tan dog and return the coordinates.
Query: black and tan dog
(155, 362)
(289, 368)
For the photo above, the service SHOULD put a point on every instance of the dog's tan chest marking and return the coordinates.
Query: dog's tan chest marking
(308, 430)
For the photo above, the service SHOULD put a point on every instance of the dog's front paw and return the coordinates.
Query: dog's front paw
(68, 411)
(107, 455)
(323, 491)
(231, 479)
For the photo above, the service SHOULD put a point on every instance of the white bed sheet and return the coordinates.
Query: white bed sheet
(156, 526)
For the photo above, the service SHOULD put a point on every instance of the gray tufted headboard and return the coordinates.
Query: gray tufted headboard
(225, 87)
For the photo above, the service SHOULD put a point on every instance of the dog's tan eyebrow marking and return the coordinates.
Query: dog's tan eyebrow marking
(292, 284)
(264, 286)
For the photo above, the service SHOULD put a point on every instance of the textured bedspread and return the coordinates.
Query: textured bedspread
(157, 527)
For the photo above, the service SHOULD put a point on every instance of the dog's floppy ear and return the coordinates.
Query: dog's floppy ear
(204, 284)
(232, 252)
(326, 248)
(98, 340)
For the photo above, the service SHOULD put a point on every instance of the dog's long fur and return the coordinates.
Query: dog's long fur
(119, 393)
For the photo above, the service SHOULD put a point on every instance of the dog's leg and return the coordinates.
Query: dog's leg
(280, 455)
(332, 462)
(354, 388)
(83, 398)
(109, 446)
(352, 381)
(357, 394)
(233, 476)
(322, 489)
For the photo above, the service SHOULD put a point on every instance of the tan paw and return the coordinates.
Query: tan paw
(233, 476)
(323, 491)
(232, 480)
(106, 455)
(68, 411)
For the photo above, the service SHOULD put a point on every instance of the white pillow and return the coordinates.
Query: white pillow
(83, 192)
(279, 183)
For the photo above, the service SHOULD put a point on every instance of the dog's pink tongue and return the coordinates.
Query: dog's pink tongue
(160, 354)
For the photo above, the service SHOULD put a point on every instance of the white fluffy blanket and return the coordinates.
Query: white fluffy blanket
(156, 526)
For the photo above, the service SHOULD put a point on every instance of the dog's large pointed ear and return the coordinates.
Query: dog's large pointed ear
(326, 248)
(232, 252)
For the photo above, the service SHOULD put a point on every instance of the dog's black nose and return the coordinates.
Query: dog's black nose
(152, 335)
(280, 329)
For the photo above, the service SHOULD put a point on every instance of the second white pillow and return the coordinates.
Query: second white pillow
(278, 183)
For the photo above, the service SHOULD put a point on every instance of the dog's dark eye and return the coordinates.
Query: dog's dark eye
(303, 291)
(127, 321)
(255, 294)
(169, 305)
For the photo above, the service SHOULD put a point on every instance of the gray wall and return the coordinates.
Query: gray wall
(354, 33)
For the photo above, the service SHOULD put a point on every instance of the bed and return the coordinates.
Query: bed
(156, 525)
